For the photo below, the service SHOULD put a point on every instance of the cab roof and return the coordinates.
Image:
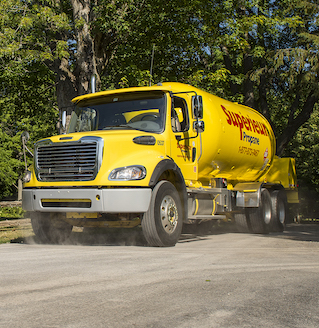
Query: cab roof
(165, 87)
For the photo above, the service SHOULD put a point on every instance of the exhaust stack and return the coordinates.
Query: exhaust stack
(93, 83)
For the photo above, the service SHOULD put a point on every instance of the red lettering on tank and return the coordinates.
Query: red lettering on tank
(228, 117)
(244, 122)
(241, 125)
(233, 119)
(266, 133)
(261, 128)
(257, 127)
(254, 124)
(250, 124)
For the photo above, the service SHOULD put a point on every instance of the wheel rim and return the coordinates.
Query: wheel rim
(267, 212)
(169, 214)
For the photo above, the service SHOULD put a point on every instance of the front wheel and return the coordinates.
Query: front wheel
(162, 223)
(48, 228)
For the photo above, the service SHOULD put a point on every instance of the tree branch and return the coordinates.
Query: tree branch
(229, 66)
(262, 90)
(296, 123)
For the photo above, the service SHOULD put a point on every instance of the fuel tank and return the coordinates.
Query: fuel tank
(238, 143)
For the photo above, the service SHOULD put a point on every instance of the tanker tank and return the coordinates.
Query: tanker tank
(238, 143)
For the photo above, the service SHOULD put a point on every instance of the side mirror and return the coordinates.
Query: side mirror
(199, 126)
(25, 137)
(197, 107)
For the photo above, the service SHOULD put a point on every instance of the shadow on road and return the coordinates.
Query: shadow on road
(301, 232)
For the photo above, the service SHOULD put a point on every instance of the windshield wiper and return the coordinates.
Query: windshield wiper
(120, 126)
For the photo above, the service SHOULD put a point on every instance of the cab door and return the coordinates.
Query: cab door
(184, 143)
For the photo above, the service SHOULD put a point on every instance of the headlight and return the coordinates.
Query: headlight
(128, 173)
(27, 176)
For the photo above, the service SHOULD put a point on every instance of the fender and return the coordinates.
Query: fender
(169, 165)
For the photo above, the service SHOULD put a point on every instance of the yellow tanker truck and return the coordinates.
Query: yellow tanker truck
(158, 158)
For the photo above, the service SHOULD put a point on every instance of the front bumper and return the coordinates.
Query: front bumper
(128, 200)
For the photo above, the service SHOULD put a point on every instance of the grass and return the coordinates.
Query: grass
(15, 230)
(13, 226)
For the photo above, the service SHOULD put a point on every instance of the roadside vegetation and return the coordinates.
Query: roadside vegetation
(13, 226)
(11, 212)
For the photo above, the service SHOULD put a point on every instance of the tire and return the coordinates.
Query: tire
(242, 222)
(279, 210)
(260, 218)
(49, 229)
(162, 223)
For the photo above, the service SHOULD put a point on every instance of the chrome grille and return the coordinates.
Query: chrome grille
(67, 161)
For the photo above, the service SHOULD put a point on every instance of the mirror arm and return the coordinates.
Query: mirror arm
(179, 138)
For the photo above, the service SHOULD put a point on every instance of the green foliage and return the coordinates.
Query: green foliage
(170, 26)
(27, 104)
(11, 212)
(304, 147)
(29, 30)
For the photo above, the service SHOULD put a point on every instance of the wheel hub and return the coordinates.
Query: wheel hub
(169, 214)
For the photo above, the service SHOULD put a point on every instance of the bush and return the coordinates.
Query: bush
(11, 212)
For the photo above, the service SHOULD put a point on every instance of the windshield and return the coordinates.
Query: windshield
(143, 111)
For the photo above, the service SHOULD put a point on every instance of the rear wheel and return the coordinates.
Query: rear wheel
(279, 209)
(48, 228)
(242, 222)
(162, 223)
(260, 218)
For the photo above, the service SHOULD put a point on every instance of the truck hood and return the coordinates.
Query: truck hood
(116, 149)
(107, 135)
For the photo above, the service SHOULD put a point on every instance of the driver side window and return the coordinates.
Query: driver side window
(179, 117)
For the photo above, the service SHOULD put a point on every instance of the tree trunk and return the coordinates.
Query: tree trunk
(66, 85)
(263, 102)
(74, 82)
(85, 56)
(248, 83)
(264, 109)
